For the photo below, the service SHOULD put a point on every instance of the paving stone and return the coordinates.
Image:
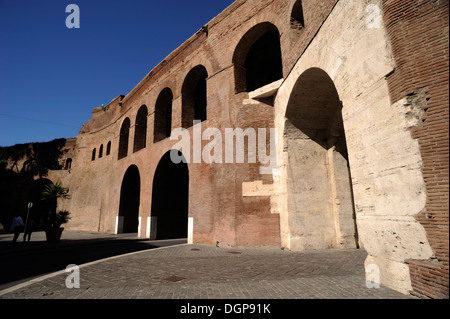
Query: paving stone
(214, 273)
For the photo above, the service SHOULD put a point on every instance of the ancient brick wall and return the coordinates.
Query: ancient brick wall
(378, 71)
(419, 34)
(216, 203)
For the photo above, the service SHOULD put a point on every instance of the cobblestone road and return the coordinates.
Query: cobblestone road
(203, 272)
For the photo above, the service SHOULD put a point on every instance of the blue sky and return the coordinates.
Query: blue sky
(51, 77)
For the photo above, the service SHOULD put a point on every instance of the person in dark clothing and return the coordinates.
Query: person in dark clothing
(18, 227)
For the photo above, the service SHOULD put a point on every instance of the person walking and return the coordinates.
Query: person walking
(18, 227)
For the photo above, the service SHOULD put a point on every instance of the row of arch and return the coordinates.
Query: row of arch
(194, 102)
(257, 62)
(100, 151)
(314, 112)
(171, 181)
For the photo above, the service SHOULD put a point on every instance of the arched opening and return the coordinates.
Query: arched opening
(68, 164)
(194, 96)
(257, 58)
(130, 193)
(163, 115)
(320, 196)
(170, 199)
(123, 139)
(94, 151)
(108, 148)
(297, 19)
(140, 132)
(100, 151)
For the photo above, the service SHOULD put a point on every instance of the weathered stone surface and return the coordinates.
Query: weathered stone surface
(353, 127)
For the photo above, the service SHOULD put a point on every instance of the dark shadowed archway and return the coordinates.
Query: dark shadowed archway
(140, 131)
(130, 193)
(297, 18)
(123, 138)
(163, 115)
(257, 58)
(194, 96)
(170, 198)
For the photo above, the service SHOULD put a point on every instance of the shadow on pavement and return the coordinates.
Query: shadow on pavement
(25, 261)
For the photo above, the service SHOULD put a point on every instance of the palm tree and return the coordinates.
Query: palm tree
(50, 194)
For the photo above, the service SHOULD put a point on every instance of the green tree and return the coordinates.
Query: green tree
(50, 195)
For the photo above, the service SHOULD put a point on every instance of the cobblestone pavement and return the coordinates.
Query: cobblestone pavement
(203, 272)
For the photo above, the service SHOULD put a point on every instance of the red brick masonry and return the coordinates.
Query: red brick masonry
(419, 34)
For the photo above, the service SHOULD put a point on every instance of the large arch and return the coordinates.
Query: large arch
(130, 193)
(320, 195)
(387, 180)
(170, 198)
(140, 131)
(163, 115)
(257, 58)
(123, 138)
(194, 96)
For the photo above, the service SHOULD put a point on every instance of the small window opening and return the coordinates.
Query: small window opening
(68, 165)
(297, 19)
(123, 140)
(108, 148)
